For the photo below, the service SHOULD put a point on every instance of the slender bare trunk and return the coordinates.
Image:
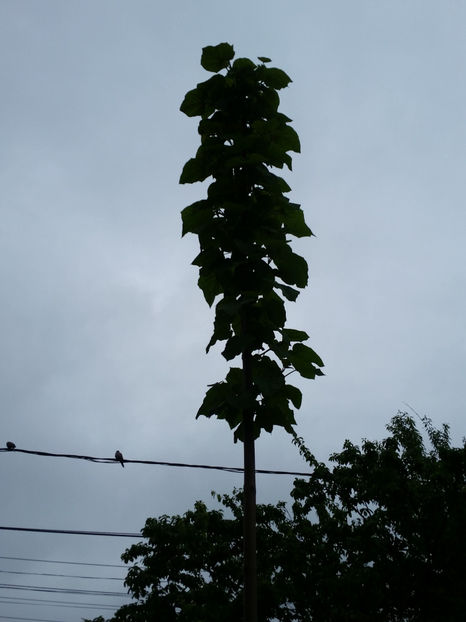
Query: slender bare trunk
(249, 508)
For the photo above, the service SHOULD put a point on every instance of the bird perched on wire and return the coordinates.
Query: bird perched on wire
(119, 457)
(10, 445)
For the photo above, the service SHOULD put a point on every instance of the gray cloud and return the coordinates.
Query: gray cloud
(102, 327)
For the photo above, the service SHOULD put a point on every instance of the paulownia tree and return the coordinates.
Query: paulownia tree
(246, 264)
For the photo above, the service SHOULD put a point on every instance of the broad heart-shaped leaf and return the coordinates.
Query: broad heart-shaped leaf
(305, 361)
(214, 399)
(294, 395)
(267, 375)
(288, 139)
(273, 183)
(275, 411)
(291, 334)
(196, 217)
(228, 399)
(222, 327)
(233, 348)
(193, 103)
(202, 100)
(243, 64)
(193, 171)
(272, 308)
(217, 57)
(289, 292)
(292, 268)
(276, 78)
(293, 221)
(210, 286)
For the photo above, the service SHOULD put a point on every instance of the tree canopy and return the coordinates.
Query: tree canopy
(244, 227)
(376, 534)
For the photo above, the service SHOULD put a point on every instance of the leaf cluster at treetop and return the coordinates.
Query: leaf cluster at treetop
(243, 228)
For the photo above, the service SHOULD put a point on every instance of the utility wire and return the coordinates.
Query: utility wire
(32, 619)
(61, 590)
(71, 576)
(75, 532)
(55, 561)
(39, 602)
(152, 462)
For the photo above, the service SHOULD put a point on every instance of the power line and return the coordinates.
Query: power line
(32, 619)
(61, 590)
(70, 576)
(40, 602)
(152, 462)
(54, 561)
(75, 532)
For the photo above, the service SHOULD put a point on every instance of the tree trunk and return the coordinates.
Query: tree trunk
(249, 507)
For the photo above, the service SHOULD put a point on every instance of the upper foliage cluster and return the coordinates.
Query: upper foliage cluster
(377, 536)
(243, 228)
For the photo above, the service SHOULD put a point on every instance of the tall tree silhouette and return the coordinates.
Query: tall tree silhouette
(246, 264)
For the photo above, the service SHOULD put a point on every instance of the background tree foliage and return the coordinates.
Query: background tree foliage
(378, 534)
(244, 227)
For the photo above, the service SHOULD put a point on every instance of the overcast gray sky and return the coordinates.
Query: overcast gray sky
(102, 326)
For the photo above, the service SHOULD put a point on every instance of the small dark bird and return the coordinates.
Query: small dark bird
(119, 457)
(10, 445)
